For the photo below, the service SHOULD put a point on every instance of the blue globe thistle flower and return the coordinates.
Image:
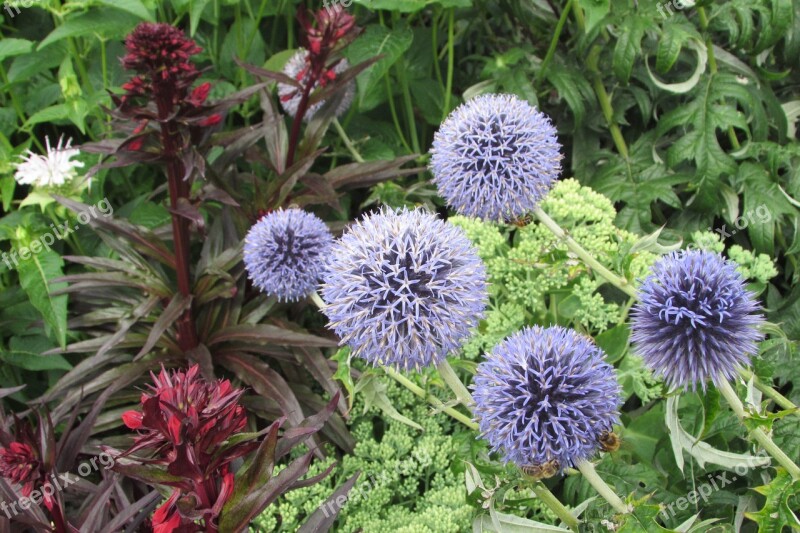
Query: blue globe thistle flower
(495, 157)
(695, 319)
(285, 253)
(546, 395)
(404, 289)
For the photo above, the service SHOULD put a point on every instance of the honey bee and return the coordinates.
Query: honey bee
(609, 441)
(542, 471)
(522, 221)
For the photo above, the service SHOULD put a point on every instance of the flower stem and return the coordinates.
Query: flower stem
(451, 378)
(347, 142)
(318, 301)
(554, 41)
(779, 399)
(433, 400)
(590, 474)
(758, 434)
(179, 188)
(618, 281)
(554, 504)
(450, 62)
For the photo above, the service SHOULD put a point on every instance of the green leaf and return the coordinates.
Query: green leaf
(196, 13)
(405, 6)
(702, 452)
(783, 497)
(14, 47)
(343, 375)
(375, 395)
(26, 353)
(35, 275)
(614, 342)
(595, 11)
(105, 22)
(629, 46)
(134, 7)
(511, 524)
(376, 40)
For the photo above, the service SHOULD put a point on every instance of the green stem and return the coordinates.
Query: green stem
(408, 105)
(554, 41)
(393, 111)
(435, 41)
(605, 102)
(619, 282)
(758, 434)
(451, 378)
(317, 300)
(779, 399)
(433, 400)
(346, 140)
(450, 62)
(713, 68)
(555, 505)
(590, 474)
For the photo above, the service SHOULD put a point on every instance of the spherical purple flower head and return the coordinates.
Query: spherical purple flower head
(404, 288)
(285, 253)
(298, 68)
(495, 157)
(546, 394)
(695, 319)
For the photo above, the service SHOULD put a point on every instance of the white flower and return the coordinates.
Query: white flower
(50, 170)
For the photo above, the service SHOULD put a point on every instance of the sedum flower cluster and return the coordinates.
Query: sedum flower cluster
(407, 481)
(525, 269)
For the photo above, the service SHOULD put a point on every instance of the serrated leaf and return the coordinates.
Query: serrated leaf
(782, 499)
(512, 524)
(375, 395)
(35, 276)
(595, 11)
(628, 47)
(343, 375)
(701, 451)
(376, 41)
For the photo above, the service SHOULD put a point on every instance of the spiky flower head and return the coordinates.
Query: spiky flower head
(53, 169)
(695, 319)
(299, 68)
(160, 50)
(404, 288)
(495, 157)
(285, 253)
(546, 395)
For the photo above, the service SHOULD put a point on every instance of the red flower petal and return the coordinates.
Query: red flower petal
(132, 419)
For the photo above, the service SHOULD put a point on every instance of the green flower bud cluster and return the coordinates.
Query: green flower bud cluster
(534, 278)
(410, 479)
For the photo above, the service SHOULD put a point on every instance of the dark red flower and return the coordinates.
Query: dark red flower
(199, 94)
(183, 423)
(167, 519)
(20, 463)
(330, 25)
(213, 120)
(161, 50)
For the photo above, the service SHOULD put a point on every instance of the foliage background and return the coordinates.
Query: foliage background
(684, 120)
